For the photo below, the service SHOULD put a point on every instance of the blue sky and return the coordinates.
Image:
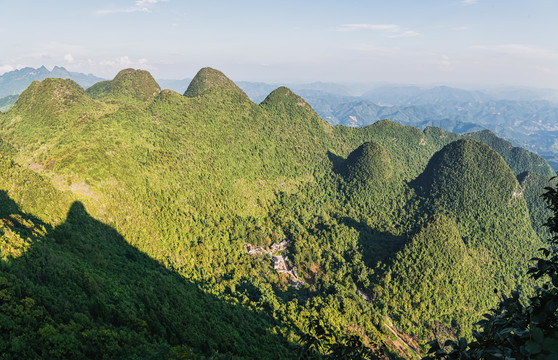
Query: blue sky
(453, 42)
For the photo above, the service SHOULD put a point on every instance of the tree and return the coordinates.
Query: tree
(517, 329)
(322, 339)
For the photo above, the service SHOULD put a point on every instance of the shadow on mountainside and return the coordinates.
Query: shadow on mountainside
(377, 246)
(17, 221)
(83, 292)
(337, 161)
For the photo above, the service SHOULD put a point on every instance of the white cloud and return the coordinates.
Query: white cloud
(378, 50)
(109, 67)
(69, 58)
(469, 2)
(140, 6)
(6, 68)
(522, 50)
(445, 62)
(123, 61)
(148, 2)
(122, 11)
(388, 30)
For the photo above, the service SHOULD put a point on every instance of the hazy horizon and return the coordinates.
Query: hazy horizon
(462, 43)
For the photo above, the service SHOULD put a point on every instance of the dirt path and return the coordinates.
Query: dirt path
(409, 348)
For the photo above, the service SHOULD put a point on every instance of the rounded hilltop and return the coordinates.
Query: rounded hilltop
(208, 79)
(283, 95)
(369, 163)
(128, 84)
(465, 174)
(50, 95)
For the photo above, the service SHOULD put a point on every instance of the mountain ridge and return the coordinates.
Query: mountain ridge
(14, 82)
(186, 183)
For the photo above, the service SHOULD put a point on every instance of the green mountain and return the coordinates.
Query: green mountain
(518, 158)
(140, 223)
(134, 84)
(208, 79)
(369, 165)
(478, 234)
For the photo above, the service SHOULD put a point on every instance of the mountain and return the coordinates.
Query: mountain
(7, 102)
(132, 84)
(464, 233)
(369, 164)
(526, 117)
(414, 95)
(140, 223)
(208, 79)
(14, 82)
(523, 160)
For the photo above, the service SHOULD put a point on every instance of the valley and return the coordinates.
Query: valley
(127, 210)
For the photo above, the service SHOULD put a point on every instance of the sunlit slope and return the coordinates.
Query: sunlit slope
(189, 180)
(129, 84)
(72, 287)
(486, 245)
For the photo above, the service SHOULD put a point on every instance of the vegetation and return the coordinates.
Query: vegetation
(128, 84)
(128, 213)
(518, 329)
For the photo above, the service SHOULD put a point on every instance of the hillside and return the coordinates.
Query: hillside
(525, 117)
(131, 214)
(132, 84)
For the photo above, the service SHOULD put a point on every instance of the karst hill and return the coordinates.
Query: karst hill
(128, 210)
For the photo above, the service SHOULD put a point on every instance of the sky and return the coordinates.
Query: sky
(449, 42)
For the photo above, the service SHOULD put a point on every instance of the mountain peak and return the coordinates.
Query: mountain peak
(369, 164)
(284, 95)
(53, 94)
(59, 88)
(454, 173)
(207, 79)
(128, 83)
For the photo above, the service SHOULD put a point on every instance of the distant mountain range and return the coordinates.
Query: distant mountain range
(526, 117)
(14, 82)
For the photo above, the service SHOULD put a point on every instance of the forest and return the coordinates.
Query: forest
(127, 212)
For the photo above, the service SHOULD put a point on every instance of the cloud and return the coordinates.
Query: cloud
(140, 6)
(468, 2)
(120, 63)
(109, 67)
(6, 68)
(123, 61)
(445, 63)
(122, 11)
(69, 58)
(148, 2)
(521, 50)
(377, 50)
(388, 30)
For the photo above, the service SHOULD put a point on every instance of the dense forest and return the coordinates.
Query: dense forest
(139, 223)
